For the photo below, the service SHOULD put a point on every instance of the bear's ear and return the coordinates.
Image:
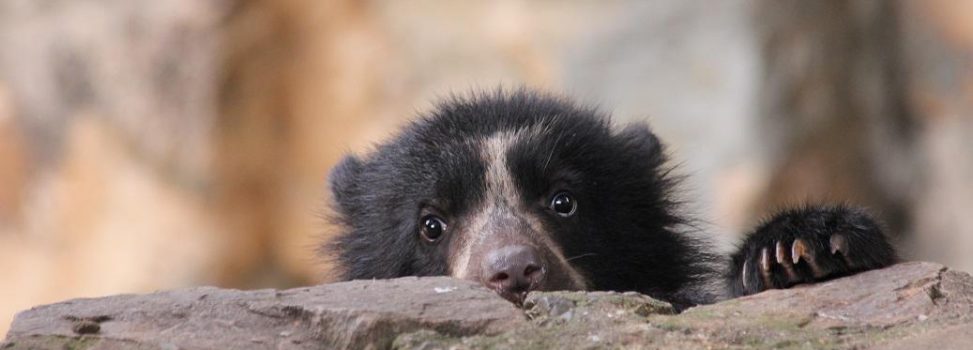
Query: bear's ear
(342, 181)
(639, 137)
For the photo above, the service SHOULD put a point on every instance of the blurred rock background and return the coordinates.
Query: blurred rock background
(159, 144)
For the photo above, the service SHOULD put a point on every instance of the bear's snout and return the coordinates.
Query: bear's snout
(513, 271)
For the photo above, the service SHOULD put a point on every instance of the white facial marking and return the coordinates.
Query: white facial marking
(501, 196)
(499, 187)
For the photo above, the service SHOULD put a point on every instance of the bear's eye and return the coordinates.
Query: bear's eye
(433, 228)
(564, 204)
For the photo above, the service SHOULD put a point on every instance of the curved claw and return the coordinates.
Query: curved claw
(839, 244)
(802, 250)
(783, 260)
(798, 250)
(744, 275)
(765, 268)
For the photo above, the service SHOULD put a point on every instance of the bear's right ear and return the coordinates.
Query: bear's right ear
(639, 137)
(342, 181)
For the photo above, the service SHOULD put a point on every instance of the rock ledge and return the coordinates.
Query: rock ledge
(910, 305)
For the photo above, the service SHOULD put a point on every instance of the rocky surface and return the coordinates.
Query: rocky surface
(907, 306)
(343, 315)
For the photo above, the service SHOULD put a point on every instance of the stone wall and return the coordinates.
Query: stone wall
(906, 306)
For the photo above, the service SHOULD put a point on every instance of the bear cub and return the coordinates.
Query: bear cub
(523, 191)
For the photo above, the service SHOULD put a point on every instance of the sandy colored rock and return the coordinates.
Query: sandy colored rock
(910, 305)
(358, 314)
(906, 306)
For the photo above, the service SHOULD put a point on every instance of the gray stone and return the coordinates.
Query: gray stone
(358, 314)
(910, 305)
(906, 306)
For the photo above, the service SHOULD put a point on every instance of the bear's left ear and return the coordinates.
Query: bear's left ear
(640, 138)
(342, 182)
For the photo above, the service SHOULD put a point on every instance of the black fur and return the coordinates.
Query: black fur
(868, 247)
(628, 234)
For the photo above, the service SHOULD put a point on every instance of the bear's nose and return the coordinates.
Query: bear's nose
(512, 271)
